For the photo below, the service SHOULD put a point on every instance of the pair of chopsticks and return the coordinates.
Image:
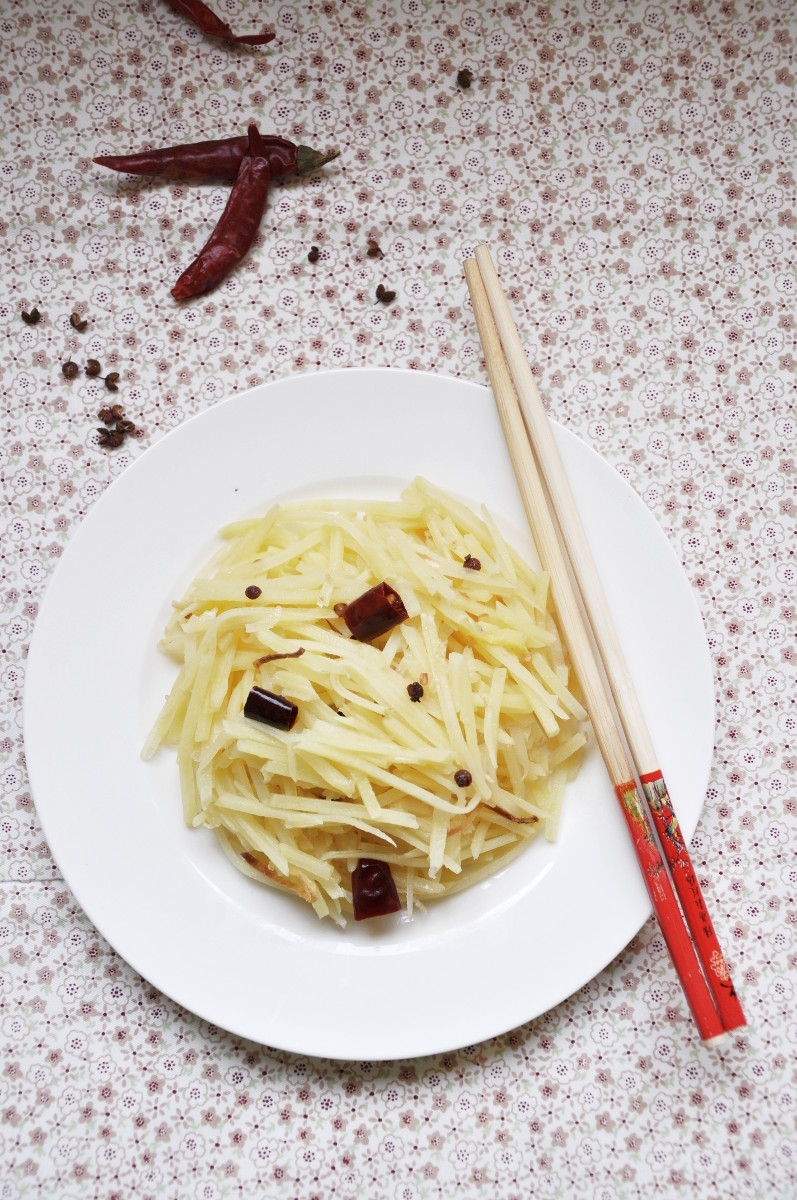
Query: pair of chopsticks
(585, 623)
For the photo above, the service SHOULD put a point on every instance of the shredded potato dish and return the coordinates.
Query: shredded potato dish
(439, 748)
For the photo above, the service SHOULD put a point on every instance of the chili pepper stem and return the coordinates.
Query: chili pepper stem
(308, 160)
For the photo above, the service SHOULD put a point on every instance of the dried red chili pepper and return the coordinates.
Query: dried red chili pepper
(237, 226)
(219, 158)
(206, 20)
(374, 612)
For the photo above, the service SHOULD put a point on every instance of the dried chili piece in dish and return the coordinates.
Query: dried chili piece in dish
(270, 709)
(218, 158)
(233, 236)
(374, 612)
(373, 889)
(205, 19)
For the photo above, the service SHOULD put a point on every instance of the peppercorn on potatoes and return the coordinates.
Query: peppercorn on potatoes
(440, 748)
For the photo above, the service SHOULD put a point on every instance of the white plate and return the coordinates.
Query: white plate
(244, 957)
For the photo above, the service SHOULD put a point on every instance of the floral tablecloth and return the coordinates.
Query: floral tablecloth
(631, 165)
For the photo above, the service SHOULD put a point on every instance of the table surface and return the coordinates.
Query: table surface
(631, 166)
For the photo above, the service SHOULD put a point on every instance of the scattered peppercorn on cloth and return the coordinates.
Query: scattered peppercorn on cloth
(631, 166)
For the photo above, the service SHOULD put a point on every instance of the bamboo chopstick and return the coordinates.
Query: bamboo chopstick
(577, 639)
(593, 597)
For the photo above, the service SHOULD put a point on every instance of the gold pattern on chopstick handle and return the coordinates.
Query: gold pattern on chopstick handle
(658, 798)
(683, 872)
(717, 963)
(639, 827)
(675, 852)
(660, 891)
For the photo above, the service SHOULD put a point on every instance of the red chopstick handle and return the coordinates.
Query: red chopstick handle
(692, 900)
(665, 906)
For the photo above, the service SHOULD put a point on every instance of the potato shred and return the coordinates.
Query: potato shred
(367, 771)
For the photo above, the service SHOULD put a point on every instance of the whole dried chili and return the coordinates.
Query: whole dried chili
(206, 20)
(237, 226)
(219, 158)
